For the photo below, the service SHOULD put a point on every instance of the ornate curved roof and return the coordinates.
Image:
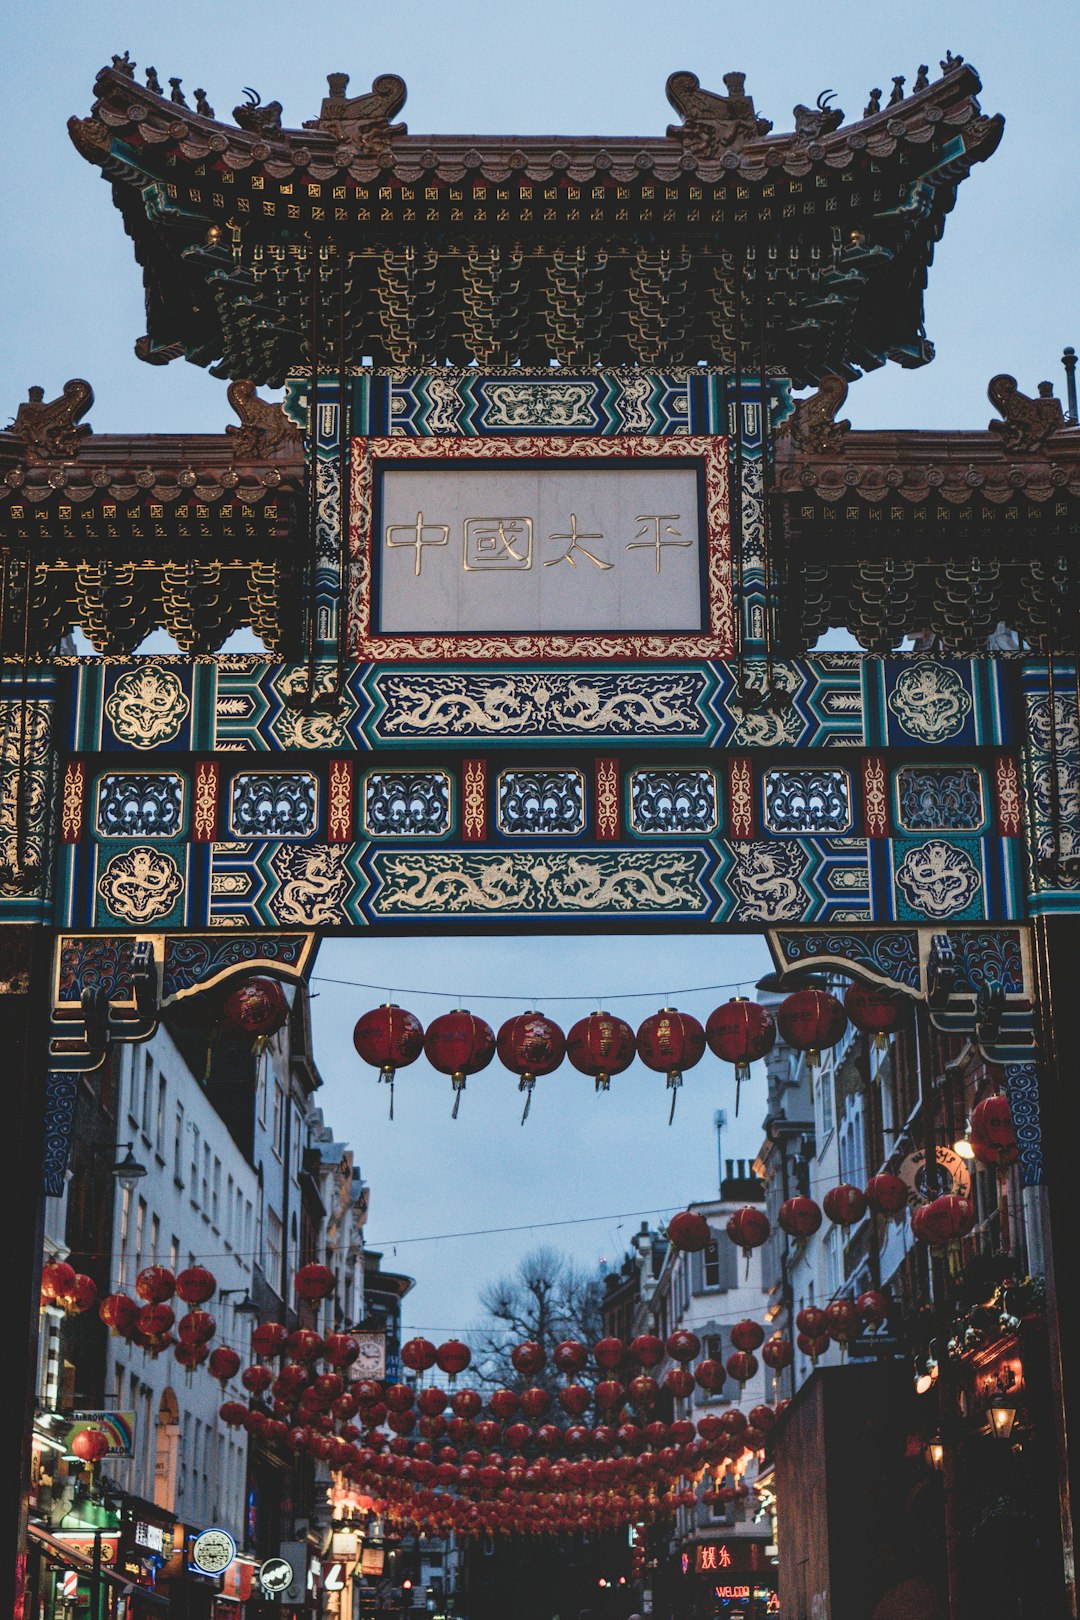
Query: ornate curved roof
(505, 249)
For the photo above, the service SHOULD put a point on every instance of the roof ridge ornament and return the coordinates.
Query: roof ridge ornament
(812, 123)
(361, 117)
(255, 118)
(1028, 423)
(713, 124)
(264, 427)
(814, 427)
(50, 429)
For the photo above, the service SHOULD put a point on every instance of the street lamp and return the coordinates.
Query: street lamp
(129, 1170)
(245, 1305)
(1002, 1419)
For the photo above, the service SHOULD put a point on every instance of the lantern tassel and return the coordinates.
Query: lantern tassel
(459, 1087)
(738, 1086)
(674, 1081)
(526, 1084)
(390, 1077)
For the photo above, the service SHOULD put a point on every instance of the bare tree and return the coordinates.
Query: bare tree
(545, 1299)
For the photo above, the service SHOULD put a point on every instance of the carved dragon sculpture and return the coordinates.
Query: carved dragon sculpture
(50, 429)
(711, 123)
(360, 117)
(1028, 423)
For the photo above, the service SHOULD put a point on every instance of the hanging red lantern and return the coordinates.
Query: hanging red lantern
(844, 1205)
(57, 1281)
(741, 1366)
(647, 1349)
(609, 1394)
(679, 1381)
(341, 1349)
(886, 1194)
(452, 1358)
(503, 1403)
(873, 1307)
(799, 1217)
(418, 1354)
(813, 1345)
(195, 1285)
(197, 1327)
(90, 1445)
(777, 1353)
(874, 1010)
(992, 1133)
(155, 1320)
(749, 1228)
(689, 1232)
(314, 1282)
(459, 1044)
(609, 1354)
(389, 1038)
(740, 1032)
(574, 1399)
(120, 1313)
(747, 1335)
(465, 1403)
(81, 1296)
(683, 1346)
(528, 1358)
(155, 1284)
(190, 1355)
(400, 1397)
(256, 1008)
(812, 1321)
(234, 1414)
(842, 1317)
(256, 1379)
(303, 1345)
(224, 1364)
(601, 1045)
(644, 1391)
(668, 1042)
(268, 1339)
(811, 1021)
(709, 1374)
(530, 1045)
(571, 1356)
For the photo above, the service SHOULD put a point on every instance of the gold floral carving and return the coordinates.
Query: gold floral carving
(1008, 794)
(474, 799)
(554, 882)
(742, 805)
(607, 799)
(339, 813)
(205, 802)
(147, 707)
(71, 808)
(141, 885)
(877, 824)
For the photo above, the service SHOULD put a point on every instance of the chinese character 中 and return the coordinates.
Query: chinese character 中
(657, 542)
(417, 543)
(575, 540)
(498, 543)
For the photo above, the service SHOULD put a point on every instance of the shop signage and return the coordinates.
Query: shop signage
(119, 1427)
(334, 1580)
(739, 1554)
(275, 1575)
(212, 1552)
(953, 1175)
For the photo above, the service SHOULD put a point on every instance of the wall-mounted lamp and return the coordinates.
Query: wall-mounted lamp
(1002, 1419)
(935, 1455)
(926, 1380)
(963, 1149)
(129, 1170)
(245, 1305)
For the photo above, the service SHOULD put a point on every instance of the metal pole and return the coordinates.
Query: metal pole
(95, 1579)
(1068, 360)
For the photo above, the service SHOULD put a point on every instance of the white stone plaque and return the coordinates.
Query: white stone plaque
(544, 549)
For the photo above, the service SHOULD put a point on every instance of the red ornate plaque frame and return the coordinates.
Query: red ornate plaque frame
(715, 642)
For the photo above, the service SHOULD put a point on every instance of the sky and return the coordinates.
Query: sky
(1002, 297)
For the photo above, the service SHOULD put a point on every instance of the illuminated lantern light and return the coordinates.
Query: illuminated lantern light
(459, 1044)
(268, 1339)
(688, 1232)
(799, 1217)
(256, 1008)
(57, 1281)
(741, 1365)
(992, 1133)
(873, 1308)
(813, 1344)
(81, 1296)
(747, 1335)
(389, 1038)
(811, 1021)
(748, 1227)
(844, 1205)
(120, 1313)
(224, 1364)
(943, 1223)
(528, 1358)
(740, 1032)
(570, 1356)
(90, 1445)
(530, 1045)
(195, 1285)
(601, 1045)
(886, 1194)
(155, 1284)
(314, 1282)
(197, 1327)
(683, 1345)
(452, 1357)
(647, 1349)
(668, 1042)
(875, 1011)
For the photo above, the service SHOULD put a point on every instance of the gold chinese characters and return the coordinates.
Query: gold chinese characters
(506, 544)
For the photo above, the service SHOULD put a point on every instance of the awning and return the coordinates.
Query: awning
(64, 1552)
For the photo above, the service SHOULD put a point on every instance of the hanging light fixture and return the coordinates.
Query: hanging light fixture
(1002, 1418)
(129, 1170)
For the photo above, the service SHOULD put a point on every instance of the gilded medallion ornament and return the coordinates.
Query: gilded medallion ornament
(938, 879)
(141, 885)
(147, 707)
(930, 702)
(766, 881)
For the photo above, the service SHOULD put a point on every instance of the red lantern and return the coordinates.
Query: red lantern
(748, 1335)
(647, 1349)
(843, 1320)
(709, 1374)
(459, 1044)
(57, 1281)
(341, 1349)
(680, 1381)
(812, 1321)
(195, 1285)
(844, 1205)
(874, 1011)
(813, 1345)
(609, 1394)
(811, 1021)
(314, 1282)
(668, 1042)
(155, 1284)
(303, 1345)
(574, 1398)
(886, 1194)
(503, 1403)
(645, 1391)
(465, 1403)
(528, 1358)
(197, 1327)
(389, 1038)
(90, 1445)
(740, 1032)
(418, 1354)
(749, 1228)
(452, 1358)
(530, 1045)
(120, 1313)
(190, 1355)
(992, 1120)
(571, 1356)
(257, 1008)
(872, 1307)
(799, 1217)
(82, 1296)
(155, 1320)
(609, 1353)
(256, 1379)
(234, 1414)
(268, 1339)
(777, 1353)
(683, 1346)
(535, 1402)
(601, 1045)
(689, 1232)
(223, 1364)
(742, 1366)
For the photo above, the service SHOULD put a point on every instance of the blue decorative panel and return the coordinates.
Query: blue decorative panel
(140, 886)
(287, 885)
(406, 804)
(938, 879)
(145, 707)
(995, 956)
(946, 798)
(462, 401)
(1052, 780)
(822, 705)
(928, 702)
(149, 806)
(61, 1090)
(198, 961)
(891, 954)
(679, 800)
(540, 803)
(794, 880)
(807, 801)
(1022, 1086)
(271, 804)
